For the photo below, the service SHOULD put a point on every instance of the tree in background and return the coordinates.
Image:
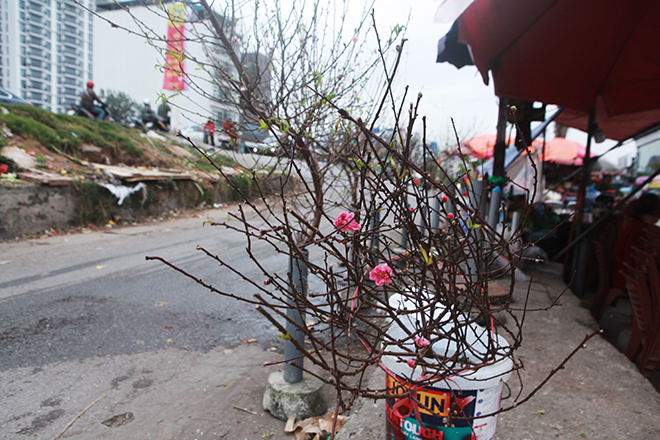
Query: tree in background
(121, 106)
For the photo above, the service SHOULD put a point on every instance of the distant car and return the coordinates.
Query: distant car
(7, 97)
(194, 132)
(268, 147)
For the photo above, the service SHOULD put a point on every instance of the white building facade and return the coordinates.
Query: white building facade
(127, 62)
(46, 51)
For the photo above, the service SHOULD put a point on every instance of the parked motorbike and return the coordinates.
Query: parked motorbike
(77, 110)
(154, 123)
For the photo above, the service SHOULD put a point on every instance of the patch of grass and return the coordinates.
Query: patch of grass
(40, 161)
(69, 133)
(220, 160)
(203, 164)
(28, 127)
(29, 112)
(224, 161)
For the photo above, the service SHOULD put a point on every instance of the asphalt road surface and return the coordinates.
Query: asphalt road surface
(93, 294)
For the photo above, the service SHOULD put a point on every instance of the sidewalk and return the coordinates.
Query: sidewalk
(179, 394)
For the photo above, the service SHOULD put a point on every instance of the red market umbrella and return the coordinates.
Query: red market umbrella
(563, 151)
(482, 146)
(583, 55)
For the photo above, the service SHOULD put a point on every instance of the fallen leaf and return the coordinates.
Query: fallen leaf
(168, 328)
(100, 267)
(290, 425)
(161, 303)
(171, 341)
(249, 341)
(317, 427)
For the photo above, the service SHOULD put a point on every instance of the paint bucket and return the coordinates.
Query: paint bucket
(470, 393)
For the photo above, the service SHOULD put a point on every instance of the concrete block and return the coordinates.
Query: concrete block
(301, 400)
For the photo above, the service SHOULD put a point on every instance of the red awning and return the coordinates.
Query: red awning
(582, 55)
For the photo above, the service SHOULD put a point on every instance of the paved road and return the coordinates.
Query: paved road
(86, 317)
(79, 296)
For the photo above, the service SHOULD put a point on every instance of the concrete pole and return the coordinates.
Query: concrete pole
(374, 225)
(293, 357)
(494, 209)
(435, 213)
(476, 199)
(425, 223)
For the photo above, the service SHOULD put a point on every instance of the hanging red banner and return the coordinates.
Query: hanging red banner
(174, 57)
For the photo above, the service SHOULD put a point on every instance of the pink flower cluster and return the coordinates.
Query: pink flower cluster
(421, 341)
(345, 221)
(411, 363)
(381, 274)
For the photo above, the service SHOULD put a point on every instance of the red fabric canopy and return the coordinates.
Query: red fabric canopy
(583, 55)
(562, 151)
(482, 146)
(558, 150)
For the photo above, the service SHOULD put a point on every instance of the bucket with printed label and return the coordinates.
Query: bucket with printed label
(443, 409)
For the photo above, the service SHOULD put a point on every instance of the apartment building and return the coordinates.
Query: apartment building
(46, 50)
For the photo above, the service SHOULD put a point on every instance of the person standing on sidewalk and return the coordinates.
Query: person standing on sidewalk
(209, 132)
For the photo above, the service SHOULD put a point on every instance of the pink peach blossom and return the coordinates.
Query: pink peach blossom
(444, 198)
(381, 274)
(421, 341)
(450, 216)
(345, 222)
(411, 363)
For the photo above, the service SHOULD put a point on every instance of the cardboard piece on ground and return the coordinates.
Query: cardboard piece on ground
(313, 427)
(45, 178)
(132, 174)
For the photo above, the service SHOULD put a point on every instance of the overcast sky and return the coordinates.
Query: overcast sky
(447, 92)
